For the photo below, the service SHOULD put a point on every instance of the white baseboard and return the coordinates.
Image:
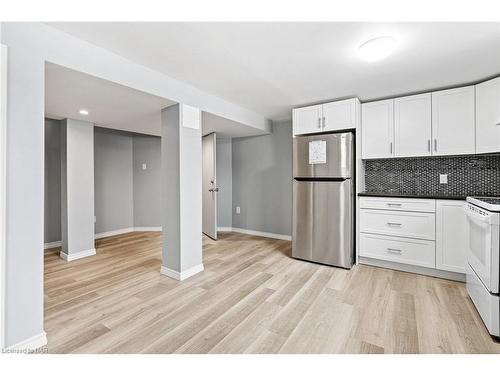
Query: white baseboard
(113, 233)
(51, 245)
(147, 229)
(262, 234)
(78, 255)
(224, 229)
(29, 344)
(181, 275)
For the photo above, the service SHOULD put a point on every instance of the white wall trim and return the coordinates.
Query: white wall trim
(3, 185)
(29, 345)
(113, 232)
(224, 229)
(147, 229)
(51, 245)
(181, 275)
(78, 255)
(262, 234)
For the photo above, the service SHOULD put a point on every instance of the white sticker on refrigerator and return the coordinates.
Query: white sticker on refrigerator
(317, 152)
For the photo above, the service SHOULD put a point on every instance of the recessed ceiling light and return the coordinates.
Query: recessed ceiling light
(377, 48)
(84, 112)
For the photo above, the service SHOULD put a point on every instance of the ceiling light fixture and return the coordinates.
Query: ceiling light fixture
(84, 112)
(377, 48)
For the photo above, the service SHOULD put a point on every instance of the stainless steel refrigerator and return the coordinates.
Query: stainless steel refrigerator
(323, 199)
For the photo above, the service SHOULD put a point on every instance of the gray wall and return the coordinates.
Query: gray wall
(224, 172)
(52, 203)
(125, 195)
(147, 183)
(114, 197)
(262, 181)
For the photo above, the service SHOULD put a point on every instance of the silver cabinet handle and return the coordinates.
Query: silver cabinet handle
(391, 147)
(429, 145)
(435, 145)
(394, 251)
(394, 224)
(324, 121)
(394, 204)
(319, 122)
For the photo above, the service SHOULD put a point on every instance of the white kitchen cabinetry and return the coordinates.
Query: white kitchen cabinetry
(398, 223)
(451, 236)
(412, 125)
(488, 116)
(453, 122)
(340, 115)
(398, 204)
(390, 234)
(327, 117)
(377, 129)
(417, 232)
(400, 250)
(307, 119)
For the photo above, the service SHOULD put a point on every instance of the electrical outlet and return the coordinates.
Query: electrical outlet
(144, 166)
(238, 210)
(443, 178)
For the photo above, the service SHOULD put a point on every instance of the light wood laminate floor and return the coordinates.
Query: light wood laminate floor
(251, 298)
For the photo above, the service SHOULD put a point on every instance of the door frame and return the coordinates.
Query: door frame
(3, 185)
(214, 182)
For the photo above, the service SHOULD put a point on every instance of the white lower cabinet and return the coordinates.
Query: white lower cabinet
(451, 236)
(400, 250)
(398, 223)
(429, 233)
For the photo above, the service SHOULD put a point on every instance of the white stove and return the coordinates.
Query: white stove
(489, 203)
(483, 257)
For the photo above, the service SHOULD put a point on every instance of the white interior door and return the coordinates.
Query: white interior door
(210, 189)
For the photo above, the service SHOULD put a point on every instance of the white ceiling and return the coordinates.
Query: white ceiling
(114, 106)
(272, 67)
(226, 128)
(110, 105)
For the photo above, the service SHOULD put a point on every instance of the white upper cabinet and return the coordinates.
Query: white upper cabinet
(308, 120)
(453, 123)
(327, 117)
(412, 125)
(340, 115)
(488, 116)
(377, 129)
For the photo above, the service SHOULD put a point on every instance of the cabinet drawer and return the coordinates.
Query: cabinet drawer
(398, 204)
(400, 250)
(397, 223)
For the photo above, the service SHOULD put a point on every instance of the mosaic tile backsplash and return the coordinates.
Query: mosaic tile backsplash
(467, 175)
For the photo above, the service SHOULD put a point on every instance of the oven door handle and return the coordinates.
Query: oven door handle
(483, 220)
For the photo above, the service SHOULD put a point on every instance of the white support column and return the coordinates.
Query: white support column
(77, 189)
(3, 163)
(181, 191)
